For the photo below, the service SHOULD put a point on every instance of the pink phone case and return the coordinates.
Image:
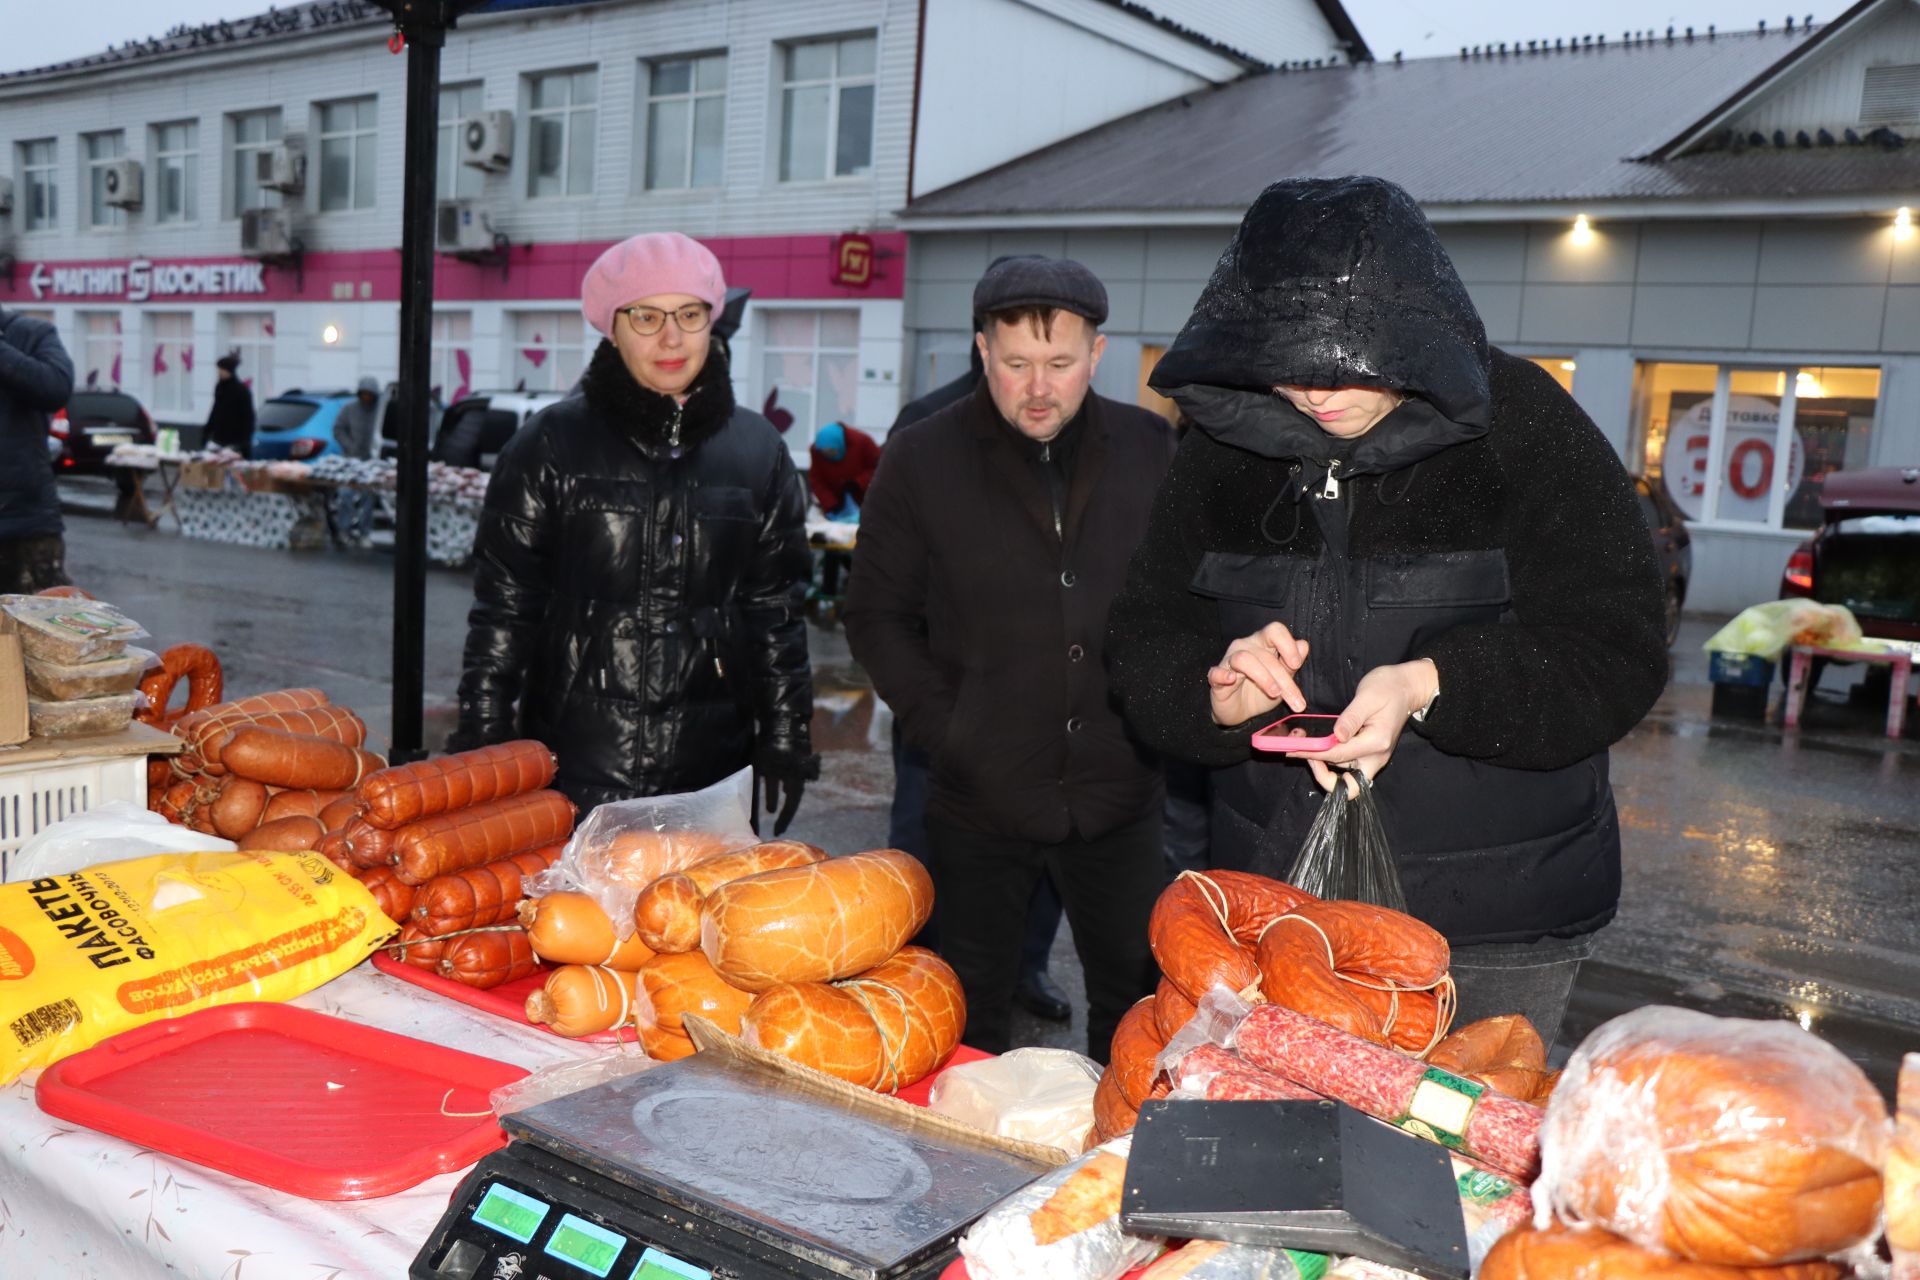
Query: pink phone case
(1285, 737)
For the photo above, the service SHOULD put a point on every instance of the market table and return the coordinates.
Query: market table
(84, 1205)
(1900, 659)
(167, 468)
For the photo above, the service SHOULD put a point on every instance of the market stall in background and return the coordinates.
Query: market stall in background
(642, 1042)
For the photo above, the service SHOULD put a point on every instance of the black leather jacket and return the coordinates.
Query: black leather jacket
(639, 575)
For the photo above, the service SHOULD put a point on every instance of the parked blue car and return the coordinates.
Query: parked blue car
(298, 425)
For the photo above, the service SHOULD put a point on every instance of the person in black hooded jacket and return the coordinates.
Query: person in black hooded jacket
(1379, 516)
(641, 561)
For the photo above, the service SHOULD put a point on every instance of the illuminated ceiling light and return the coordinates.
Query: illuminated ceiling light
(1903, 224)
(1807, 387)
(1582, 229)
(330, 334)
(1567, 365)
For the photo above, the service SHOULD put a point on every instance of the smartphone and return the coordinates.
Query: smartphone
(1297, 734)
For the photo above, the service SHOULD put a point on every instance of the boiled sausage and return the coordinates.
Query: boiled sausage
(667, 913)
(815, 923)
(883, 1029)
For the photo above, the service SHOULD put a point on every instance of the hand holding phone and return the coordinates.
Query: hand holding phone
(1300, 734)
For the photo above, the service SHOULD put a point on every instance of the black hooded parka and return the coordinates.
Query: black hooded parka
(640, 571)
(1485, 523)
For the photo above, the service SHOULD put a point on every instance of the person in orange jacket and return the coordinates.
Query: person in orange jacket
(843, 462)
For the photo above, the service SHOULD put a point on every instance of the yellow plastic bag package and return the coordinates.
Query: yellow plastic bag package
(86, 955)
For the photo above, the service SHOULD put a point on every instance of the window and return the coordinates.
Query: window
(686, 121)
(176, 172)
(1714, 435)
(255, 134)
(1561, 367)
(170, 338)
(348, 141)
(826, 109)
(458, 104)
(450, 368)
(250, 333)
(99, 350)
(547, 349)
(101, 150)
(809, 370)
(560, 128)
(39, 189)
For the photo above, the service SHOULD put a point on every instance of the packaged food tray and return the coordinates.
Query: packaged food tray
(81, 717)
(65, 682)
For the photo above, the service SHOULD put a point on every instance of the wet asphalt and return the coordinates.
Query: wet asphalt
(1767, 873)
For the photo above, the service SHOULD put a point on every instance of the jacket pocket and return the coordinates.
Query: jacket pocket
(1438, 579)
(1251, 591)
(724, 502)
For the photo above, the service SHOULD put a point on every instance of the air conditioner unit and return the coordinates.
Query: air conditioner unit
(266, 233)
(6, 194)
(122, 183)
(486, 140)
(281, 168)
(462, 229)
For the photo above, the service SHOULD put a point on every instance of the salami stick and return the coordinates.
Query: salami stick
(1391, 1086)
(488, 958)
(407, 793)
(478, 896)
(1219, 1075)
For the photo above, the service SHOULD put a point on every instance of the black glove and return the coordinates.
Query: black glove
(781, 777)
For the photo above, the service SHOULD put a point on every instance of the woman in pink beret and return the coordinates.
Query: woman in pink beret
(642, 560)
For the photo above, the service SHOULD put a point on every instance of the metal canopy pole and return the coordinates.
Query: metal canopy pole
(424, 25)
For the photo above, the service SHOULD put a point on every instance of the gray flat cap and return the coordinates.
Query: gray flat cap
(1041, 282)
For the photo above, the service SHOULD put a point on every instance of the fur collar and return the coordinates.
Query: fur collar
(647, 416)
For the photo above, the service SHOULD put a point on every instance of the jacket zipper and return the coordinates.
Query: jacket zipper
(673, 432)
(1331, 490)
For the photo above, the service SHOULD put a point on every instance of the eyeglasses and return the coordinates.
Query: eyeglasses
(647, 321)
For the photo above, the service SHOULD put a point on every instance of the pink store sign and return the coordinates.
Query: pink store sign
(774, 267)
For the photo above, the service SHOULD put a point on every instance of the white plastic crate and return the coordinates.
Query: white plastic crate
(35, 795)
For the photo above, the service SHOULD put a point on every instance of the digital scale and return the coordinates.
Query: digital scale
(714, 1168)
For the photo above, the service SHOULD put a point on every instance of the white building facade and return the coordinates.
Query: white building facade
(238, 187)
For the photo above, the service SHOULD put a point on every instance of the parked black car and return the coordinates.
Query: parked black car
(92, 424)
(1672, 544)
(1866, 553)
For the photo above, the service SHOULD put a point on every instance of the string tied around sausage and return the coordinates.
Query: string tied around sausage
(1445, 994)
(893, 1050)
(1216, 900)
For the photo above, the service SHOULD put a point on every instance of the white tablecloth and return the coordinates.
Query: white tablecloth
(82, 1206)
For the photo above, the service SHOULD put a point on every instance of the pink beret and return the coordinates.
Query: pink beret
(642, 266)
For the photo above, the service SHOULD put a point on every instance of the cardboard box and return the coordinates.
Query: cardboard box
(13, 691)
(203, 475)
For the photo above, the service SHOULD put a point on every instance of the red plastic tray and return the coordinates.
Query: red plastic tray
(508, 1000)
(286, 1097)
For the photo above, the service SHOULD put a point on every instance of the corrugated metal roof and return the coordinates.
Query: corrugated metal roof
(1534, 127)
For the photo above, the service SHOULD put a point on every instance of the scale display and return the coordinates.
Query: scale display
(512, 1214)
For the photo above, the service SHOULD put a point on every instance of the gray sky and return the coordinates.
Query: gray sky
(39, 33)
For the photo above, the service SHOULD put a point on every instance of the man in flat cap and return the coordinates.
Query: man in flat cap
(992, 542)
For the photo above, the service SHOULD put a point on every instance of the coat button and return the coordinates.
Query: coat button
(1075, 653)
(1075, 725)
(1068, 578)
(671, 627)
(677, 539)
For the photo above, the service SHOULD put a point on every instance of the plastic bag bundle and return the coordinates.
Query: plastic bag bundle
(625, 846)
(1765, 630)
(89, 954)
(1345, 855)
(1035, 1095)
(1720, 1140)
(111, 831)
(1065, 1226)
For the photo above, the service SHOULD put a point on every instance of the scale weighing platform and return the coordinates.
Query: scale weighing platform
(714, 1169)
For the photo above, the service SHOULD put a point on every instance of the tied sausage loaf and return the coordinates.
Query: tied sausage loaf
(1375, 972)
(407, 793)
(226, 716)
(883, 1029)
(339, 813)
(1573, 1253)
(239, 808)
(394, 896)
(336, 724)
(285, 804)
(571, 928)
(485, 833)
(1136, 1043)
(416, 948)
(666, 916)
(1171, 1009)
(581, 999)
(282, 759)
(479, 896)
(673, 986)
(365, 845)
(1204, 927)
(489, 959)
(1503, 1053)
(815, 923)
(288, 835)
(1381, 1081)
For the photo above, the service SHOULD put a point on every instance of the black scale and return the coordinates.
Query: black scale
(713, 1169)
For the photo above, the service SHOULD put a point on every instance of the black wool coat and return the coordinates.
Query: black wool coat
(231, 422)
(640, 571)
(1485, 524)
(984, 629)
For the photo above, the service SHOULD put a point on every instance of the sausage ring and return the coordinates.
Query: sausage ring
(67, 592)
(1372, 972)
(1204, 927)
(195, 663)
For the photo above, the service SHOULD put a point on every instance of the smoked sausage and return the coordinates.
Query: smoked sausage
(419, 950)
(1562, 1252)
(667, 913)
(1136, 1043)
(1371, 971)
(198, 665)
(485, 833)
(394, 896)
(883, 1029)
(1204, 927)
(815, 923)
(302, 761)
(285, 804)
(489, 959)
(571, 928)
(479, 896)
(407, 793)
(581, 1000)
(288, 835)
(340, 812)
(239, 807)
(366, 845)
